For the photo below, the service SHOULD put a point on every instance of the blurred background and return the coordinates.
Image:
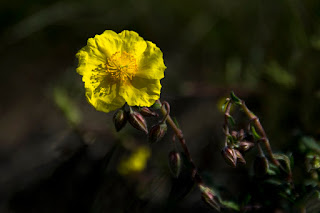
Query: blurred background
(57, 154)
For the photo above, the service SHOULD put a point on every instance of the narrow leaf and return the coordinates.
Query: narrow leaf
(234, 98)
(223, 107)
(255, 134)
(230, 205)
(284, 158)
(231, 120)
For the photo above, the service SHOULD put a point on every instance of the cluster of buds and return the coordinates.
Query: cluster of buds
(243, 142)
(137, 119)
(237, 144)
(232, 156)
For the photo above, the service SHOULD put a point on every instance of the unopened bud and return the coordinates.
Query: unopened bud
(120, 119)
(315, 162)
(312, 162)
(241, 135)
(260, 166)
(234, 134)
(138, 121)
(174, 163)
(229, 156)
(209, 197)
(240, 158)
(245, 146)
(157, 132)
(145, 111)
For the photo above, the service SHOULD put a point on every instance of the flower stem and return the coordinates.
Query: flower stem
(178, 132)
(259, 127)
(226, 122)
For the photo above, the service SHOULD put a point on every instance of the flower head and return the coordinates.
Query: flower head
(120, 68)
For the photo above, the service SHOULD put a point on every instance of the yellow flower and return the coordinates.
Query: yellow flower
(136, 162)
(120, 68)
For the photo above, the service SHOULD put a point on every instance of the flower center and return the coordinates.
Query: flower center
(121, 66)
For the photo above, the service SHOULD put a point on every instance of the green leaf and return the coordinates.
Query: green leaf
(230, 205)
(231, 139)
(223, 107)
(275, 182)
(234, 98)
(65, 104)
(310, 143)
(291, 160)
(272, 169)
(156, 106)
(311, 182)
(317, 194)
(231, 120)
(271, 172)
(285, 158)
(254, 133)
(279, 75)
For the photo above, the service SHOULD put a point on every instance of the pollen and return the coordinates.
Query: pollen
(121, 67)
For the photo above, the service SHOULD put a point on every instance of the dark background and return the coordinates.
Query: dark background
(266, 51)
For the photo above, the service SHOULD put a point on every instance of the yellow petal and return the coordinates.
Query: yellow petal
(151, 64)
(107, 43)
(103, 96)
(141, 91)
(97, 51)
(133, 43)
(86, 61)
(148, 56)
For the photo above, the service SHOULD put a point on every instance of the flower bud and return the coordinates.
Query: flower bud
(209, 197)
(120, 119)
(245, 146)
(240, 158)
(312, 162)
(315, 162)
(145, 111)
(138, 121)
(234, 134)
(229, 156)
(175, 163)
(241, 135)
(260, 166)
(157, 132)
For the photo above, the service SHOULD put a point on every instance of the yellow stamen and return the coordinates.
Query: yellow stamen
(121, 67)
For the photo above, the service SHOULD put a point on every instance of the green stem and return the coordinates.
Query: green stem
(226, 122)
(259, 127)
